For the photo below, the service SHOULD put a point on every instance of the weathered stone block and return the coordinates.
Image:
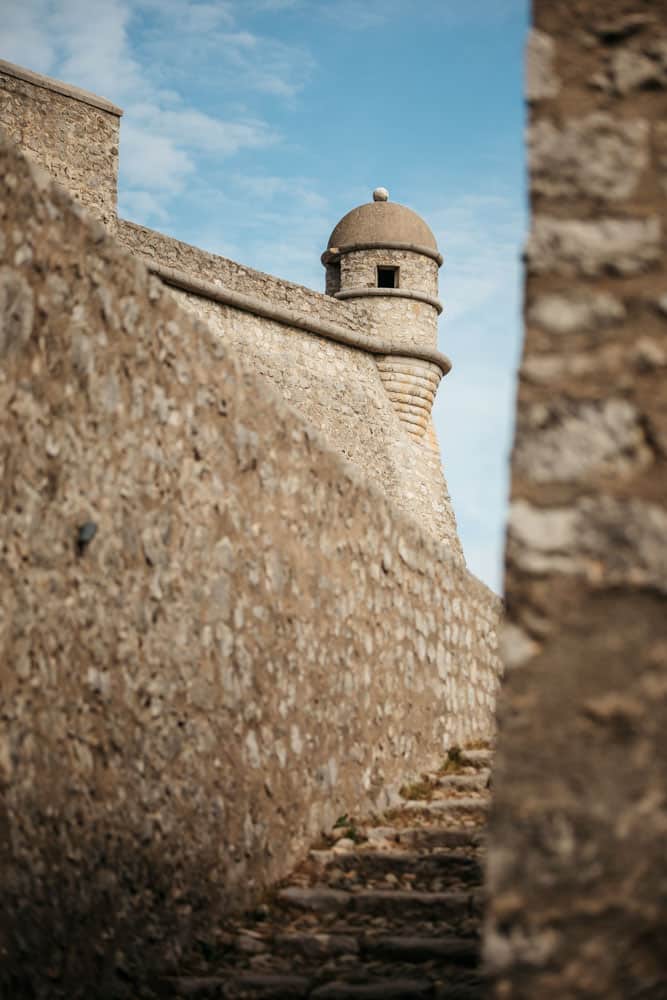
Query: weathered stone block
(575, 312)
(596, 156)
(660, 132)
(570, 247)
(541, 79)
(634, 67)
(618, 541)
(580, 441)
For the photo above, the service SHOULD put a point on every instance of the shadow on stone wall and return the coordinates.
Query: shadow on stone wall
(98, 915)
(215, 636)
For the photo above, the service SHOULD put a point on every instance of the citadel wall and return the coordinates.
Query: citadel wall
(577, 840)
(219, 636)
(73, 133)
(375, 409)
(339, 389)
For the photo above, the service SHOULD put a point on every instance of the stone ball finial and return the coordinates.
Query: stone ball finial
(380, 194)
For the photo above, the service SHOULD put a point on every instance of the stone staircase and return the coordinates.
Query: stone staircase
(384, 909)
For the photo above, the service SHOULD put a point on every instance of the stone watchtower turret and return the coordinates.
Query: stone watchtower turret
(386, 255)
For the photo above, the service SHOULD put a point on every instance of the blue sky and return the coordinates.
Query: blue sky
(252, 126)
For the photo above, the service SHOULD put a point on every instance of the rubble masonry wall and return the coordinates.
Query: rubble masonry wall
(216, 636)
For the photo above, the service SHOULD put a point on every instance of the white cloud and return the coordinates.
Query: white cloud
(94, 49)
(271, 5)
(301, 192)
(190, 17)
(24, 40)
(359, 14)
(364, 14)
(146, 54)
(473, 415)
(98, 45)
(267, 65)
(480, 236)
(198, 131)
(137, 204)
(151, 161)
(272, 223)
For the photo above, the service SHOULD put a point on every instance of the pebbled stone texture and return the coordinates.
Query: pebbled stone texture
(338, 389)
(76, 142)
(358, 269)
(207, 614)
(576, 857)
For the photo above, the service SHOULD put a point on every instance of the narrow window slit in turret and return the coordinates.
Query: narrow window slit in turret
(387, 277)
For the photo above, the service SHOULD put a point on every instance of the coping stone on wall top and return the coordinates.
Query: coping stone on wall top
(48, 83)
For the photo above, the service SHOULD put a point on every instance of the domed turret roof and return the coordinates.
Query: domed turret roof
(382, 222)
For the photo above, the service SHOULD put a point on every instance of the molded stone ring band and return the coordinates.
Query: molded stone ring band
(397, 293)
(330, 331)
(330, 255)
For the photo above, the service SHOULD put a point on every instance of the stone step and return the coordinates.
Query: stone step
(476, 758)
(454, 836)
(436, 905)
(384, 989)
(463, 951)
(246, 984)
(396, 915)
(431, 837)
(441, 807)
(464, 782)
(402, 989)
(263, 986)
(379, 902)
(453, 950)
(318, 946)
(320, 899)
(370, 863)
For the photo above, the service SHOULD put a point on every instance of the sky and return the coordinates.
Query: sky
(252, 126)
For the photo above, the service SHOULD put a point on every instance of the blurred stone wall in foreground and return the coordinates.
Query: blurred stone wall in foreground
(577, 862)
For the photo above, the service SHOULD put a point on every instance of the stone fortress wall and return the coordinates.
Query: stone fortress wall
(252, 623)
(576, 853)
(73, 133)
(219, 634)
(576, 868)
(338, 388)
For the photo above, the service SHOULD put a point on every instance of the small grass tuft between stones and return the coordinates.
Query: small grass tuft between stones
(348, 826)
(452, 762)
(419, 790)
(351, 832)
